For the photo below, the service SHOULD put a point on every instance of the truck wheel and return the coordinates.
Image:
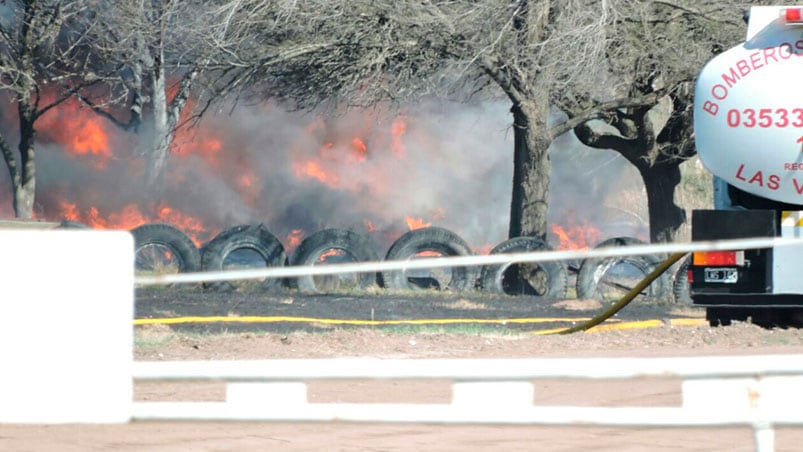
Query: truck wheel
(163, 249)
(680, 285)
(241, 247)
(542, 279)
(608, 279)
(329, 246)
(429, 242)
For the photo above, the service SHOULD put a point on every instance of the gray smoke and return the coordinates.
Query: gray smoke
(452, 167)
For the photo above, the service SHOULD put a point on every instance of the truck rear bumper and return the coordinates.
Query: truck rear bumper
(748, 300)
(765, 317)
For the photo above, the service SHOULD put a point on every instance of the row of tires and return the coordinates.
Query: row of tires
(163, 248)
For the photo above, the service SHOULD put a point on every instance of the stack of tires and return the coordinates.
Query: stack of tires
(162, 248)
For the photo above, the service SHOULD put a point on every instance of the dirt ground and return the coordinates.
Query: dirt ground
(274, 341)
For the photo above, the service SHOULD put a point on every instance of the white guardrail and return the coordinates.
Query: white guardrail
(67, 338)
(717, 391)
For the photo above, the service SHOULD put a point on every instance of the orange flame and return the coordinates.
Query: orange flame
(485, 249)
(360, 149)
(91, 139)
(415, 223)
(206, 147)
(397, 129)
(246, 180)
(576, 237)
(294, 239)
(68, 210)
(330, 253)
(369, 226)
(249, 187)
(82, 135)
(130, 216)
(190, 225)
(313, 170)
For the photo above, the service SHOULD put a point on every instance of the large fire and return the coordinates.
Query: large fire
(297, 176)
(86, 138)
(91, 141)
(131, 216)
(80, 131)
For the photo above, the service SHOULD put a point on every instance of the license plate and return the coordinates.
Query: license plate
(721, 275)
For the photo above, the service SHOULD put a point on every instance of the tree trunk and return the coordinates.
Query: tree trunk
(666, 217)
(162, 134)
(659, 172)
(25, 181)
(531, 170)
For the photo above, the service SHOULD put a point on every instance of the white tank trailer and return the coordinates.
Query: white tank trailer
(748, 126)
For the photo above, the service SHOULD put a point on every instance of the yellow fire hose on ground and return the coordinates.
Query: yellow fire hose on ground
(629, 296)
(587, 324)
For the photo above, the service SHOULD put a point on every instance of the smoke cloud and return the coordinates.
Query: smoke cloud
(444, 164)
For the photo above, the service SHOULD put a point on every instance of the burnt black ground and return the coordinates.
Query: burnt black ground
(471, 308)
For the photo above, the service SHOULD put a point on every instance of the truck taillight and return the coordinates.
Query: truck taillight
(792, 15)
(715, 258)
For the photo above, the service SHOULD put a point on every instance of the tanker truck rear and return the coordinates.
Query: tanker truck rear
(748, 126)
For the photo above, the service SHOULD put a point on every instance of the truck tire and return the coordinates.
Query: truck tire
(355, 247)
(507, 279)
(593, 278)
(254, 238)
(433, 239)
(163, 238)
(680, 285)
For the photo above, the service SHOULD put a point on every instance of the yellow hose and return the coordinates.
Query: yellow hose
(616, 307)
(587, 323)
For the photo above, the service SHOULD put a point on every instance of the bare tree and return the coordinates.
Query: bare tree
(149, 47)
(663, 45)
(42, 63)
(162, 51)
(528, 51)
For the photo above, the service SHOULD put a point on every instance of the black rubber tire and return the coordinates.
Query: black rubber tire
(170, 237)
(592, 270)
(680, 284)
(436, 239)
(309, 252)
(254, 237)
(494, 278)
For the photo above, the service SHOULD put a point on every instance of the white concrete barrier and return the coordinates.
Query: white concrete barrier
(769, 393)
(756, 391)
(66, 337)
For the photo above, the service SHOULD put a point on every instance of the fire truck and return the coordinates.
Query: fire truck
(748, 126)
